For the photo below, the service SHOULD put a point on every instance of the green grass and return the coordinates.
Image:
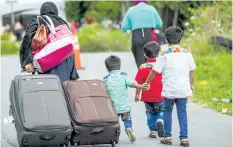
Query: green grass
(214, 65)
(216, 69)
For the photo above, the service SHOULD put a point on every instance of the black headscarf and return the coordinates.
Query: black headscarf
(50, 9)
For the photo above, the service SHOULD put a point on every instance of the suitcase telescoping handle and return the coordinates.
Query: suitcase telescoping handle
(35, 71)
(47, 137)
(97, 130)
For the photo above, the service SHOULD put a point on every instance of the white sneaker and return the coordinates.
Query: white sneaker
(131, 134)
(8, 119)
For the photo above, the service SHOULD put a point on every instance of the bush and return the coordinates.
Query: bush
(209, 21)
(5, 36)
(9, 47)
(93, 38)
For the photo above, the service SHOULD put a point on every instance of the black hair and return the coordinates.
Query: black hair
(151, 49)
(113, 63)
(174, 34)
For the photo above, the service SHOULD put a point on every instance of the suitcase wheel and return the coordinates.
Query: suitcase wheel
(75, 144)
(64, 145)
(113, 143)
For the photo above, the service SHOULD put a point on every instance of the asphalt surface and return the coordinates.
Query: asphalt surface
(206, 127)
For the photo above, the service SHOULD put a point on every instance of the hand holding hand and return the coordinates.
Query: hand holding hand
(145, 86)
(137, 98)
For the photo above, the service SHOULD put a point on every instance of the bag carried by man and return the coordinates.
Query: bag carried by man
(40, 112)
(93, 116)
(49, 50)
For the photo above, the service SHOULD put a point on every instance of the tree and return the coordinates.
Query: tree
(124, 7)
(171, 12)
(96, 10)
(71, 9)
(75, 10)
(101, 9)
(176, 12)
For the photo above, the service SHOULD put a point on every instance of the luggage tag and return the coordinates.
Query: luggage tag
(8, 119)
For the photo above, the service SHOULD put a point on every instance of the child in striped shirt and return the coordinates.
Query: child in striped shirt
(117, 83)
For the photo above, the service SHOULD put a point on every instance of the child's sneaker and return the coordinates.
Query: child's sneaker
(184, 142)
(160, 129)
(166, 140)
(153, 134)
(131, 134)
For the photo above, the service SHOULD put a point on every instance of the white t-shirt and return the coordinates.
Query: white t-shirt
(175, 69)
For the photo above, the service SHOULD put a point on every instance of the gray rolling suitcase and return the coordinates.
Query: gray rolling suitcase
(40, 111)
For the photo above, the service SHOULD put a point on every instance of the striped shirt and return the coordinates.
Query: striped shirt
(117, 83)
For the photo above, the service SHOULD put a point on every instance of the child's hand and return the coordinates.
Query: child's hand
(137, 98)
(192, 88)
(145, 86)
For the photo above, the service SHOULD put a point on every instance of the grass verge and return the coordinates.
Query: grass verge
(213, 75)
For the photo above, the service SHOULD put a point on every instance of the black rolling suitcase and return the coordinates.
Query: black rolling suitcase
(39, 110)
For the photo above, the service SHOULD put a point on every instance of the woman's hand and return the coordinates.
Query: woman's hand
(29, 68)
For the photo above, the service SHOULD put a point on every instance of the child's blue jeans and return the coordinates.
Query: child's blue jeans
(126, 118)
(181, 113)
(153, 113)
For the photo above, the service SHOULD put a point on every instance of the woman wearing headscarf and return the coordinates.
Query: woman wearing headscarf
(65, 70)
(141, 19)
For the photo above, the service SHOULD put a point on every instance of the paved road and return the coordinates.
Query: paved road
(206, 128)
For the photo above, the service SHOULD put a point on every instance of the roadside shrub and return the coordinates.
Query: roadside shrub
(5, 36)
(93, 38)
(205, 22)
(9, 47)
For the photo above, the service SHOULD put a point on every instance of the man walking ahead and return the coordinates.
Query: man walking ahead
(142, 19)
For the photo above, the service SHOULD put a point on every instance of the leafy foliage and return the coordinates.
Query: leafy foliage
(206, 22)
(96, 10)
(75, 10)
(101, 9)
